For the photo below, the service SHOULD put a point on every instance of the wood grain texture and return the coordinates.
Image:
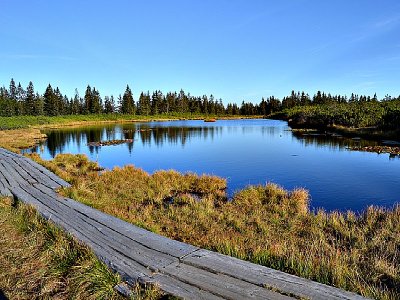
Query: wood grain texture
(141, 256)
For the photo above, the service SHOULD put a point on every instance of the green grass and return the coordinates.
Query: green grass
(263, 224)
(45, 121)
(39, 261)
(367, 119)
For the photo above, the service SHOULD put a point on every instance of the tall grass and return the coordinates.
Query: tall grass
(39, 261)
(264, 224)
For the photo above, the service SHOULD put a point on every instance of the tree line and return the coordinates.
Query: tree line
(357, 111)
(16, 100)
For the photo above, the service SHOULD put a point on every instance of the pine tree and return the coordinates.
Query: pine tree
(156, 101)
(76, 104)
(96, 107)
(12, 92)
(29, 105)
(20, 96)
(50, 102)
(38, 105)
(128, 104)
(88, 99)
(5, 103)
(59, 101)
(108, 105)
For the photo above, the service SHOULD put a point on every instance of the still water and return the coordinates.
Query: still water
(245, 152)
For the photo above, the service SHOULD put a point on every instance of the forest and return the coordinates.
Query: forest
(320, 110)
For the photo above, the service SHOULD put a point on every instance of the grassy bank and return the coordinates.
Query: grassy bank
(39, 261)
(371, 120)
(17, 139)
(263, 224)
(76, 120)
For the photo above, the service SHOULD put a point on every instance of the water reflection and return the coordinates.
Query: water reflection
(147, 134)
(245, 152)
(331, 141)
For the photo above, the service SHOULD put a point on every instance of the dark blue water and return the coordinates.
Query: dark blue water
(245, 152)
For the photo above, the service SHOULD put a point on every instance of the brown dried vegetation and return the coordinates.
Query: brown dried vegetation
(264, 224)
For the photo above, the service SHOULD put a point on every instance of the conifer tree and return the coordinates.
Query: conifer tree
(88, 99)
(38, 105)
(12, 92)
(96, 107)
(20, 99)
(29, 105)
(50, 105)
(108, 105)
(128, 104)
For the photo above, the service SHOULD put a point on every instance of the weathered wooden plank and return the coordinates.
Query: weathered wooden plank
(102, 248)
(145, 256)
(48, 191)
(35, 165)
(12, 172)
(130, 249)
(4, 191)
(8, 175)
(180, 289)
(221, 285)
(46, 172)
(140, 235)
(20, 171)
(141, 256)
(25, 197)
(263, 276)
(7, 153)
(39, 176)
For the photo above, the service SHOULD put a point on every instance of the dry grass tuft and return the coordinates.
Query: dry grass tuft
(264, 224)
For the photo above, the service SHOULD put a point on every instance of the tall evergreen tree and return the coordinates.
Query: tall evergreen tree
(108, 105)
(50, 102)
(76, 104)
(156, 102)
(29, 106)
(20, 100)
(143, 105)
(12, 92)
(38, 105)
(59, 102)
(88, 99)
(128, 104)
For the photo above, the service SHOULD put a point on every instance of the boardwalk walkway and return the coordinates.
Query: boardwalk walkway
(142, 256)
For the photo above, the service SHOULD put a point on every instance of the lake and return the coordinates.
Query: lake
(245, 152)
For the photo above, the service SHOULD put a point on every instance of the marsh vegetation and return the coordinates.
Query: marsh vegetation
(264, 224)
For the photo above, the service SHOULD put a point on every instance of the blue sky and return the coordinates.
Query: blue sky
(236, 50)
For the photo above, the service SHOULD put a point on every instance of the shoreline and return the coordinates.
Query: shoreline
(252, 226)
(367, 133)
(38, 122)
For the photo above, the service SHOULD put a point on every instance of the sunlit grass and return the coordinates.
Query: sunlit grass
(17, 139)
(265, 224)
(76, 120)
(39, 261)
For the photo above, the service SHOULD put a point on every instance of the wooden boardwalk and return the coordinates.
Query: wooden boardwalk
(145, 257)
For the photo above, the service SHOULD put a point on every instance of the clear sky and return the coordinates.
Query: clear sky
(234, 49)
